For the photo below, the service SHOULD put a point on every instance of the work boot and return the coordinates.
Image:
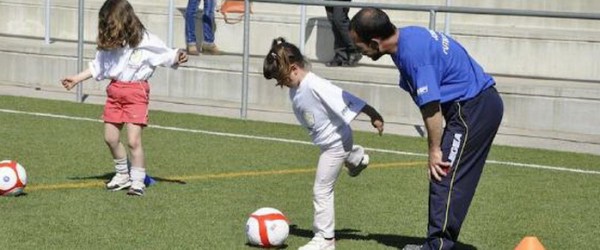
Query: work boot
(192, 49)
(210, 49)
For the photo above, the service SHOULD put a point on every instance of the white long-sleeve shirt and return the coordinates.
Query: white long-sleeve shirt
(325, 110)
(133, 64)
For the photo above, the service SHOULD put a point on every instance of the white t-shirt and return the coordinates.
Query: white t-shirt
(325, 110)
(133, 64)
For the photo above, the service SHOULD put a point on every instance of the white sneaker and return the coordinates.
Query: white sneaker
(355, 171)
(137, 188)
(319, 243)
(118, 182)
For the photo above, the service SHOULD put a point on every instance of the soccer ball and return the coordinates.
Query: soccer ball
(267, 227)
(13, 178)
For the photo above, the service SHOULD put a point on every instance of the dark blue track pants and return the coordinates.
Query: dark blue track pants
(470, 129)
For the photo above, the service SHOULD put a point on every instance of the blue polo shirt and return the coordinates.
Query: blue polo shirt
(434, 67)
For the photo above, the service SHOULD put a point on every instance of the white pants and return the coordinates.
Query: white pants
(330, 165)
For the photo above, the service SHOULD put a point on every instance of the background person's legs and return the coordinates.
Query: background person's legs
(190, 26)
(346, 53)
(208, 28)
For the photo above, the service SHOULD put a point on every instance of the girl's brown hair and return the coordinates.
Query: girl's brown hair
(281, 56)
(118, 26)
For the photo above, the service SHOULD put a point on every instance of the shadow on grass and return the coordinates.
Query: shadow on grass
(107, 177)
(21, 194)
(284, 246)
(391, 240)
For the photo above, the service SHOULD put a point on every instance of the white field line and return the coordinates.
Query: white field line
(512, 164)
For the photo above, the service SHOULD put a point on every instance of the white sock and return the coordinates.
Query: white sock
(138, 174)
(121, 166)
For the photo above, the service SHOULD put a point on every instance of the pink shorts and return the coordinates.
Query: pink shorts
(127, 102)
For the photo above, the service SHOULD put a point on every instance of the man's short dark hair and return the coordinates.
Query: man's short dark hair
(371, 23)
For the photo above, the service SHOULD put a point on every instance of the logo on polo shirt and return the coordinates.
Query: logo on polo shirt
(347, 108)
(309, 119)
(445, 44)
(422, 90)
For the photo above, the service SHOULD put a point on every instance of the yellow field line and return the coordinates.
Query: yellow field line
(74, 185)
(90, 184)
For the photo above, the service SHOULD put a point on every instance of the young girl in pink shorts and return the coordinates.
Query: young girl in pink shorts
(127, 55)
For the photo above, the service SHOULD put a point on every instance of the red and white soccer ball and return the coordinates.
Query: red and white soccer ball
(267, 227)
(13, 178)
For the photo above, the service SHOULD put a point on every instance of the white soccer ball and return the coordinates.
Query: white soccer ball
(13, 178)
(267, 227)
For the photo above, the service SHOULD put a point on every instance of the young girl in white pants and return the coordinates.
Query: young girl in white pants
(326, 111)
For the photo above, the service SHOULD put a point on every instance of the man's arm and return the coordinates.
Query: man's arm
(433, 119)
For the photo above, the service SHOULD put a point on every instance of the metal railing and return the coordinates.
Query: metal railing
(47, 19)
(431, 9)
(79, 95)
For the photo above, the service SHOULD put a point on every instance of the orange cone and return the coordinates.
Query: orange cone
(530, 243)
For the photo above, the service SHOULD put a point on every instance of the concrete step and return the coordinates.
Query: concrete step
(540, 113)
(529, 47)
(64, 17)
(545, 68)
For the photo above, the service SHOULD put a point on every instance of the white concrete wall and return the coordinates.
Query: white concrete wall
(519, 51)
(539, 47)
